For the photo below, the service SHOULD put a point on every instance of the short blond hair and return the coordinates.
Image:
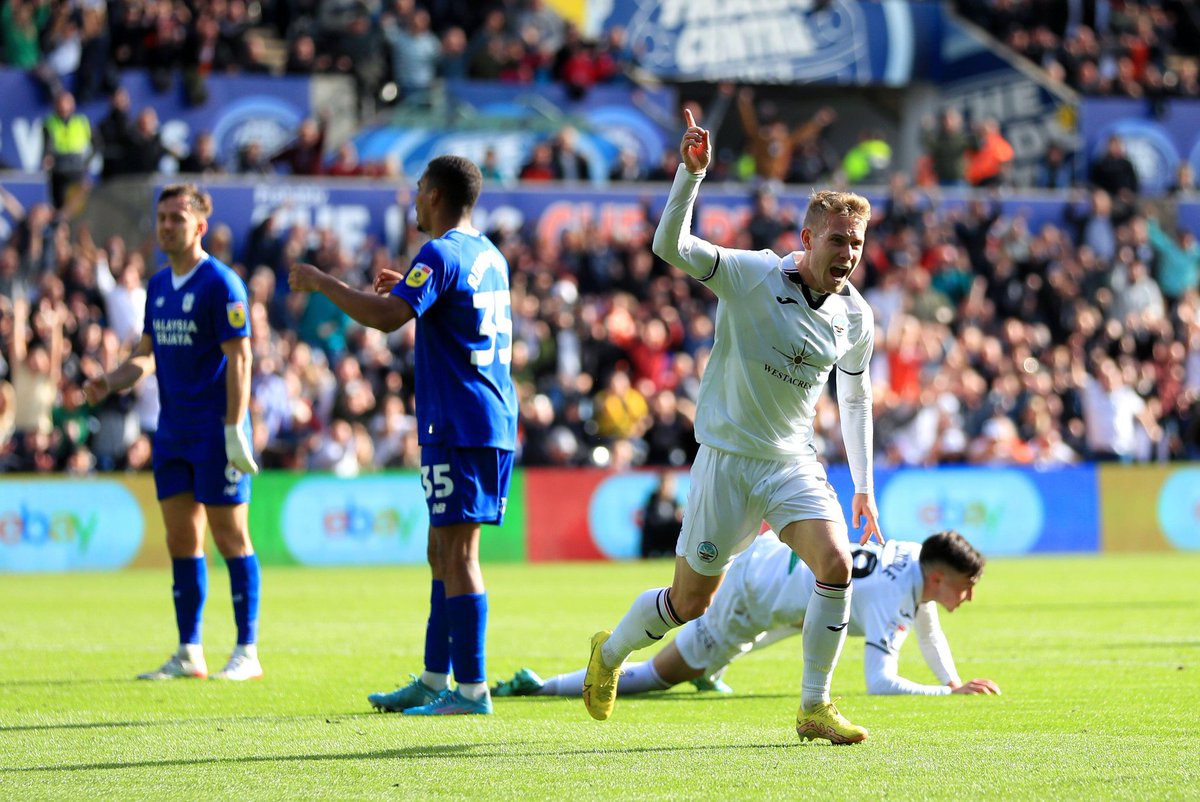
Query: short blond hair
(199, 200)
(826, 203)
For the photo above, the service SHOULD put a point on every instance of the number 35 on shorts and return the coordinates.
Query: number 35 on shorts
(436, 481)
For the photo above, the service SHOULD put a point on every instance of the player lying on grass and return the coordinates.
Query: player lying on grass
(763, 599)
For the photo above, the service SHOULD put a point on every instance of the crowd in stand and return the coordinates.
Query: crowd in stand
(997, 344)
(402, 45)
(1147, 49)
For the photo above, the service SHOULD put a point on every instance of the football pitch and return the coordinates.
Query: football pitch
(1098, 658)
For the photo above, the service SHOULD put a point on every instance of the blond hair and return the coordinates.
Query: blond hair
(199, 200)
(826, 203)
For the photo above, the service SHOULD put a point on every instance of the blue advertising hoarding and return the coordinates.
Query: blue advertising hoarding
(361, 212)
(265, 109)
(1002, 511)
(890, 42)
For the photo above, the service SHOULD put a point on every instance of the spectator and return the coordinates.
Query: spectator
(1056, 170)
(772, 145)
(662, 519)
(452, 63)
(621, 411)
(22, 23)
(869, 160)
(147, 151)
(116, 133)
(988, 157)
(1112, 413)
(36, 367)
(67, 148)
(1113, 172)
(1178, 260)
(304, 154)
(203, 158)
(947, 143)
(415, 54)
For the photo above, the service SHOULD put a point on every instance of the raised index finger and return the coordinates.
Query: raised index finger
(688, 118)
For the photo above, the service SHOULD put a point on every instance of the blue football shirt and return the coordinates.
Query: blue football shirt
(187, 326)
(458, 286)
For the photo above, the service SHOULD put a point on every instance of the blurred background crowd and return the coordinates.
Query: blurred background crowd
(998, 342)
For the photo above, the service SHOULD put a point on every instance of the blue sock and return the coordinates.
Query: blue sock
(190, 588)
(437, 631)
(468, 623)
(243, 586)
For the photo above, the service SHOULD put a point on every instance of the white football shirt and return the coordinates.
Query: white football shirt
(774, 349)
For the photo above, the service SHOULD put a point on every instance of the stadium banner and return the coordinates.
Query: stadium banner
(590, 514)
(1150, 508)
(510, 119)
(61, 524)
(366, 212)
(236, 110)
(890, 42)
(1159, 136)
(374, 519)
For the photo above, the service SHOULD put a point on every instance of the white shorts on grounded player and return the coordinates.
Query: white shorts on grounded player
(731, 495)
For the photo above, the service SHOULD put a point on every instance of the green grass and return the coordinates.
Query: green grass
(1098, 658)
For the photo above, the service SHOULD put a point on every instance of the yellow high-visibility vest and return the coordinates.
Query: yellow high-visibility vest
(72, 136)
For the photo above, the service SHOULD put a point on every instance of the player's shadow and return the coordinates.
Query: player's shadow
(705, 698)
(18, 683)
(173, 722)
(470, 751)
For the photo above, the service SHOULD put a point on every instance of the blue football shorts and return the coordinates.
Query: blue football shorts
(197, 463)
(465, 485)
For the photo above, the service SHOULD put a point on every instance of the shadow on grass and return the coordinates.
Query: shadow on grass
(19, 683)
(471, 751)
(330, 718)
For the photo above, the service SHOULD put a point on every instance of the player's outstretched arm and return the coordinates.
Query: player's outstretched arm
(139, 365)
(883, 675)
(383, 312)
(935, 648)
(673, 239)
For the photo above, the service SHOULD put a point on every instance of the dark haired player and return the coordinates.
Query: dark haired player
(197, 342)
(458, 291)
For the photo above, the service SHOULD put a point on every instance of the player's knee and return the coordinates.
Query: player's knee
(833, 567)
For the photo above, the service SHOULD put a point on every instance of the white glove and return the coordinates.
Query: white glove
(237, 450)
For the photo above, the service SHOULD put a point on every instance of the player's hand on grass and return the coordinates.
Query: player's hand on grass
(977, 686)
(696, 148)
(864, 514)
(237, 450)
(96, 389)
(386, 279)
(304, 277)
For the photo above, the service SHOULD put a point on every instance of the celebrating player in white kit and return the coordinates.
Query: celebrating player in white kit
(782, 324)
(897, 588)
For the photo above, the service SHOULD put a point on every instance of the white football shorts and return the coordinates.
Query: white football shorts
(731, 495)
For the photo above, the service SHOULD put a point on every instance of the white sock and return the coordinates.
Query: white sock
(191, 651)
(825, 624)
(249, 650)
(642, 677)
(638, 678)
(473, 690)
(439, 682)
(564, 684)
(650, 617)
